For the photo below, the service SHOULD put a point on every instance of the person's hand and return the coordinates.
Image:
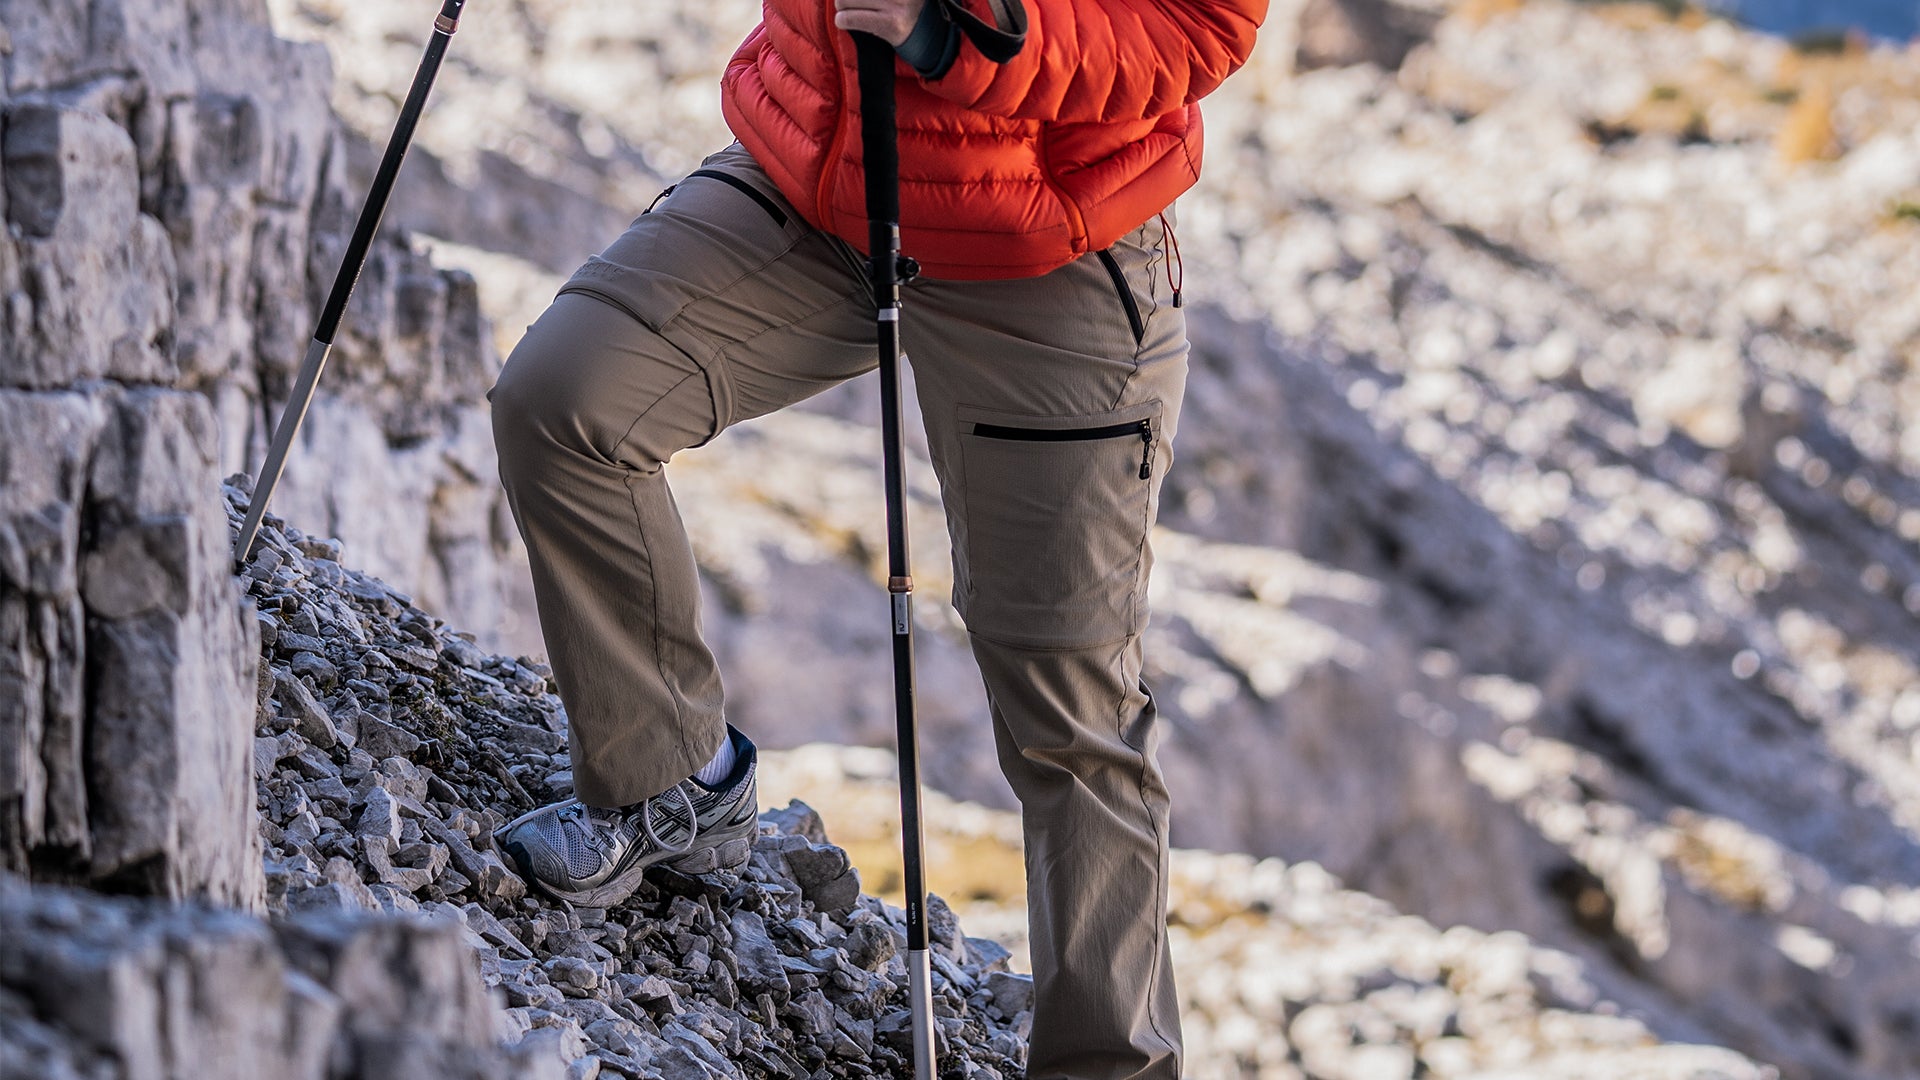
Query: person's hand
(889, 20)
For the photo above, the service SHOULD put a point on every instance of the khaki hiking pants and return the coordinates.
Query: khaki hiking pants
(1049, 404)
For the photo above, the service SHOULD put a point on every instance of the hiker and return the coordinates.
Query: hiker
(1049, 352)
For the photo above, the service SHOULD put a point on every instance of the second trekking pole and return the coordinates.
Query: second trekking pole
(881, 154)
(348, 275)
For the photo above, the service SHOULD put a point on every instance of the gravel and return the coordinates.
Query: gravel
(389, 748)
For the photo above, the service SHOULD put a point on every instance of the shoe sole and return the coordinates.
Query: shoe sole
(726, 855)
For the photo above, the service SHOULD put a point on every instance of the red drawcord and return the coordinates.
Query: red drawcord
(1173, 262)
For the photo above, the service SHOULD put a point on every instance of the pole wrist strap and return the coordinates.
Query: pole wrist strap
(998, 41)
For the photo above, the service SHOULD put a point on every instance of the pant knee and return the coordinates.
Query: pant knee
(591, 387)
(525, 417)
(550, 403)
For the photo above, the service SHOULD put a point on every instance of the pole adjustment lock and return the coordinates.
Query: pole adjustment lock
(900, 584)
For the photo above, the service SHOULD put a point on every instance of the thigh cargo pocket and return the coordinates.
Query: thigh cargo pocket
(1057, 514)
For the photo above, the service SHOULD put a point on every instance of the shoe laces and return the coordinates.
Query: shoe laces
(604, 827)
(693, 820)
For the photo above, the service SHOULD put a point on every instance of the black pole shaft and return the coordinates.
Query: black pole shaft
(880, 153)
(883, 208)
(351, 264)
(375, 208)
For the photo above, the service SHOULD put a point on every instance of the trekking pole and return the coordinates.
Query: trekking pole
(881, 153)
(351, 264)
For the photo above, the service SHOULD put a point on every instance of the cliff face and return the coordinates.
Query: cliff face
(127, 657)
(175, 194)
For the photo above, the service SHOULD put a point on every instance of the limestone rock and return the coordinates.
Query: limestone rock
(129, 988)
(97, 292)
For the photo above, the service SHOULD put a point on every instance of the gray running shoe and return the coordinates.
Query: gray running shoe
(596, 857)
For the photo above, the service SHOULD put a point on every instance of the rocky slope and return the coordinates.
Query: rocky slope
(1646, 536)
(388, 746)
(1284, 974)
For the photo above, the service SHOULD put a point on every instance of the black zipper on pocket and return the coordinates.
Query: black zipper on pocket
(1120, 285)
(1143, 429)
(772, 208)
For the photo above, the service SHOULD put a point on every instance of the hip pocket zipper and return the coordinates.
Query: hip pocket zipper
(1119, 276)
(772, 208)
(1140, 429)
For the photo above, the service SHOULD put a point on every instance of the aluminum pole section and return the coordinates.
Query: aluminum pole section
(881, 154)
(351, 264)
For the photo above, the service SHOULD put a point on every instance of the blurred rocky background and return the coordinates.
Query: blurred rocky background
(1543, 560)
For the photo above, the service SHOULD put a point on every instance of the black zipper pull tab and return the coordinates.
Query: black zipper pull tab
(1146, 449)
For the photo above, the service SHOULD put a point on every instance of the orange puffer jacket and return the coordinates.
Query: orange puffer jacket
(1005, 170)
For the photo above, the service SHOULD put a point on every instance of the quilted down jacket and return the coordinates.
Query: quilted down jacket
(1005, 170)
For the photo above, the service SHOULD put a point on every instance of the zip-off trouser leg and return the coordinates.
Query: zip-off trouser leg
(1050, 404)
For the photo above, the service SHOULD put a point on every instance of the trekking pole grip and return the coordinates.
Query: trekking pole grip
(880, 155)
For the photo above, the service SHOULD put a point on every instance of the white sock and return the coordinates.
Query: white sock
(720, 767)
